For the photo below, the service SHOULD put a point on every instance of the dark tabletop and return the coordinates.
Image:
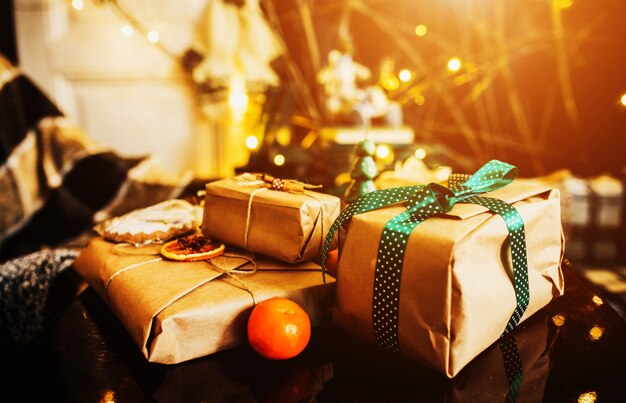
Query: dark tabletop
(573, 350)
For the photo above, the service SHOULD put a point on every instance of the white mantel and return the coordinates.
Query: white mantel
(124, 91)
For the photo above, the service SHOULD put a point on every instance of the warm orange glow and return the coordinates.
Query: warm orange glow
(252, 142)
(238, 98)
(108, 397)
(260, 98)
(558, 320)
(563, 3)
(420, 153)
(595, 333)
(623, 100)
(419, 99)
(382, 151)
(421, 30)
(279, 160)
(454, 64)
(597, 300)
(391, 83)
(588, 397)
(405, 75)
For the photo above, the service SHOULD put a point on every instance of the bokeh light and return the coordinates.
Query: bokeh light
(405, 75)
(382, 151)
(78, 4)
(419, 99)
(421, 30)
(153, 36)
(420, 153)
(127, 30)
(454, 64)
(252, 142)
(595, 333)
(279, 160)
(558, 320)
(588, 397)
(391, 84)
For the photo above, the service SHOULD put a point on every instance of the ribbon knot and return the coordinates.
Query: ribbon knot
(430, 200)
(434, 198)
(422, 202)
(462, 192)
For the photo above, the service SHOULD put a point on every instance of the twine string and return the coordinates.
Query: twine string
(248, 217)
(320, 215)
(234, 272)
(117, 273)
(277, 185)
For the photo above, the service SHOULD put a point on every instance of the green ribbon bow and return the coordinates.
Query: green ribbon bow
(422, 202)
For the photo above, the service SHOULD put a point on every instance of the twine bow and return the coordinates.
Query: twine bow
(232, 272)
(422, 202)
(266, 181)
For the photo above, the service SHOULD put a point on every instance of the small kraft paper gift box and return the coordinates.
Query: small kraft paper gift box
(177, 311)
(438, 274)
(282, 219)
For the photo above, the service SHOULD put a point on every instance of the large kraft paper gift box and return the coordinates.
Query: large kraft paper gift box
(177, 311)
(453, 294)
(289, 226)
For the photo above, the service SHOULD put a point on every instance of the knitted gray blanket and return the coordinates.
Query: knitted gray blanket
(24, 286)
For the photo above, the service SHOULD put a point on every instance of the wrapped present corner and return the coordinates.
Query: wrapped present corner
(439, 282)
(285, 225)
(177, 311)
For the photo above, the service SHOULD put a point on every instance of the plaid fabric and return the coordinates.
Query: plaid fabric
(57, 182)
(53, 176)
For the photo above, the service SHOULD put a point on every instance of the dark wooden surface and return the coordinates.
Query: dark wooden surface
(575, 347)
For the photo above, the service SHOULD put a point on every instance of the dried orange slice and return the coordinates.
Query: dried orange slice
(191, 248)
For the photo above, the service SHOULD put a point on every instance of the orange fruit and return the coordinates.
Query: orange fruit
(279, 328)
(191, 248)
(332, 261)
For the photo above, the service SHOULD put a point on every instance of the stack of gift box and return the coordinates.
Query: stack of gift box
(436, 273)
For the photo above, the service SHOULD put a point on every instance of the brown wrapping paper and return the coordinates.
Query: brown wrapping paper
(177, 311)
(286, 226)
(456, 290)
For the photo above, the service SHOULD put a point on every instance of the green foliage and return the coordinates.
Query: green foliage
(362, 171)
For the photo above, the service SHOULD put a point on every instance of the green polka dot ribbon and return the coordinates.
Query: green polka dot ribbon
(512, 365)
(422, 202)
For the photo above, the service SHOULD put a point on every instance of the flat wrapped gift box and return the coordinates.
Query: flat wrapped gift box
(177, 311)
(456, 290)
(283, 225)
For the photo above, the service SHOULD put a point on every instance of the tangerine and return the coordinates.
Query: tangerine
(279, 328)
(332, 261)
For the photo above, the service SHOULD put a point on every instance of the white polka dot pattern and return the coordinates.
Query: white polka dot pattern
(517, 241)
(423, 202)
(370, 201)
(512, 365)
(422, 205)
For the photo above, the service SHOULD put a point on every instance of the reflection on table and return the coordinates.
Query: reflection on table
(572, 350)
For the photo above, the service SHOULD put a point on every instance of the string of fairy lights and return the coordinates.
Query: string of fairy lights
(405, 82)
(130, 24)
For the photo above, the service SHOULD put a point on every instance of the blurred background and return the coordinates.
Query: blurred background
(215, 87)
